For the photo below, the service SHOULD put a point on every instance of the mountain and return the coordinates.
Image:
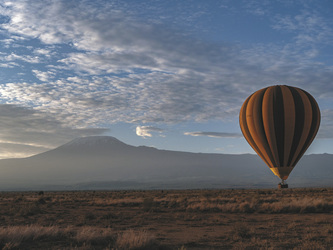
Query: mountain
(102, 162)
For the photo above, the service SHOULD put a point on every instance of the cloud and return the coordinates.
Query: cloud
(18, 150)
(326, 127)
(25, 58)
(43, 76)
(132, 70)
(309, 28)
(146, 131)
(149, 66)
(25, 131)
(214, 134)
(44, 52)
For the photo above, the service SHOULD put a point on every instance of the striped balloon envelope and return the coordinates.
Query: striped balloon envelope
(280, 122)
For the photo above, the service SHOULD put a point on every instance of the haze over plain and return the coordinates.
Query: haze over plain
(168, 74)
(102, 162)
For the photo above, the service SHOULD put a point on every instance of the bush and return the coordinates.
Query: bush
(29, 210)
(148, 204)
(90, 216)
(243, 231)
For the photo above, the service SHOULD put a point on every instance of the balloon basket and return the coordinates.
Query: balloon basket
(282, 185)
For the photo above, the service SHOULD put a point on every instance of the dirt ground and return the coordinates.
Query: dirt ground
(168, 219)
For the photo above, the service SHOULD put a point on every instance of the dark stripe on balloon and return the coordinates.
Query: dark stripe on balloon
(289, 123)
(278, 111)
(299, 124)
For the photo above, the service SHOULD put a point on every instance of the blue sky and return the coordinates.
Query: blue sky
(167, 74)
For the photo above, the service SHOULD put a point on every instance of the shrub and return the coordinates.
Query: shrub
(90, 216)
(41, 201)
(243, 231)
(148, 204)
(109, 216)
(30, 209)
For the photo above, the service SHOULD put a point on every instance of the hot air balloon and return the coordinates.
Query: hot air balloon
(280, 122)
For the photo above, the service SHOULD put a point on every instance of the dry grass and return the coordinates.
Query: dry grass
(131, 239)
(284, 205)
(179, 219)
(15, 235)
(23, 236)
(90, 234)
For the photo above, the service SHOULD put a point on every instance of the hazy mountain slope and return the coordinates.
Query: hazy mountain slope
(89, 161)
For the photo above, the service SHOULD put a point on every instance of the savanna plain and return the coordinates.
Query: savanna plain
(168, 219)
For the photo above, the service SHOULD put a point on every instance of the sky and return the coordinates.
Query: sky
(167, 74)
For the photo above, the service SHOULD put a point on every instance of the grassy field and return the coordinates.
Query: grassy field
(168, 219)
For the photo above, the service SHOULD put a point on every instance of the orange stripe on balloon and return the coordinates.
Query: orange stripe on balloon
(246, 132)
(268, 121)
(254, 127)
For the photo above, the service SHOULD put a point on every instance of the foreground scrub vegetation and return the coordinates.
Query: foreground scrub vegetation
(168, 219)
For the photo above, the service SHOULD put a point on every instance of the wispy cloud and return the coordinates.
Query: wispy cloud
(25, 58)
(214, 134)
(326, 127)
(309, 28)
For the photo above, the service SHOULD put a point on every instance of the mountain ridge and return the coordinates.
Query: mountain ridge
(103, 159)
